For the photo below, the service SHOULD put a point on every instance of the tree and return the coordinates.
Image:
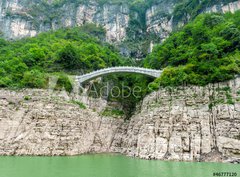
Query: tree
(69, 57)
(34, 79)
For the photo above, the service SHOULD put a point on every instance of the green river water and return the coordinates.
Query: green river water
(106, 166)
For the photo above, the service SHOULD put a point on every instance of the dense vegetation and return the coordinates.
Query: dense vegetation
(29, 62)
(138, 39)
(204, 51)
(191, 8)
(131, 89)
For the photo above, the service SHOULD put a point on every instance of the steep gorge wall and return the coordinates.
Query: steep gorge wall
(29, 17)
(188, 123)
(161, 20)
(230, 7)
(45, 124)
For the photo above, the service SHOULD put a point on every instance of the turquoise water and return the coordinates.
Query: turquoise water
(106, 166)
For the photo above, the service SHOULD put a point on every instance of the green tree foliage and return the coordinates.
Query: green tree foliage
(126, 89)
(27, 62)
(34, 79)
(204, 51)
(30, 62)
(191, 8)
(63, 82)
(69, 57)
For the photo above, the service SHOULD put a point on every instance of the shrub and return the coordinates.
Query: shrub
(34, 79)
(63, 82)
(112, 112)
(27, 98)
(204, 51)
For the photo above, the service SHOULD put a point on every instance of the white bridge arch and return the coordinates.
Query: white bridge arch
(120, 69)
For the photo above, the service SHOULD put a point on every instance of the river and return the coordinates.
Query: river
(103, 165)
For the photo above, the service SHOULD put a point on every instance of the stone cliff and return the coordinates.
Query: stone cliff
(29, 17)
(187, 123)
(34, 123)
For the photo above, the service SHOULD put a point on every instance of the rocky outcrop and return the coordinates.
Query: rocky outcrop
(28, 18)
(114, 18)
(230, 7)
(159, 18)
(34, 123)
(187, 123)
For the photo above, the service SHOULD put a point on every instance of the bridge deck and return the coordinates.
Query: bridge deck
(120, 69)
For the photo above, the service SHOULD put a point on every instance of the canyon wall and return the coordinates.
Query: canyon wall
(187, 123)
(230, 7)
(29, 17)
(34, 122)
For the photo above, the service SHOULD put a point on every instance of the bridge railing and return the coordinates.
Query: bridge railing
(151, 72)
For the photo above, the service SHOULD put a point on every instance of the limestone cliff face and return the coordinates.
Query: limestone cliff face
(188, 123)
(230, 7)
(46, 125)
(160, 17)
(29, 17)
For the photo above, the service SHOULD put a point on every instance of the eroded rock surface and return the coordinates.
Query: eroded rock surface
(187, 123)
(34, 123)
(29, 17)
(23, 18)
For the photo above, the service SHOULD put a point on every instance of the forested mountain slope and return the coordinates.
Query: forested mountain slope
(28, 62)
(204, 51)
(131, 25)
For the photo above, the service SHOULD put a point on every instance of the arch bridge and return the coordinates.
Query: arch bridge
(121, 69)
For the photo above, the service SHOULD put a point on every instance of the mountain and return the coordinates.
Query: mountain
(132, 25)
(204, 51)
(195, 47)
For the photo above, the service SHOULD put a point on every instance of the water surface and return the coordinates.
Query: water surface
(106, 166)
